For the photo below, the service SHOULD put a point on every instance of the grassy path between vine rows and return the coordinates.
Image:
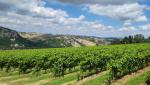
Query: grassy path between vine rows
(30, 79)
(5, 74)
(139, 80)
(23, 79)
(62, 80)
(96, 79)
(13, 78)
(34, 80)
(100, 79)
(127, 80)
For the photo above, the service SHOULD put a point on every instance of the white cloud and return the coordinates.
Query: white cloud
(47, 25)
(33, 16)
(48, 12)
(104, 2)
(73, 20)
(146, 27)
(128, 28)
(126, 12)
(147, 8)
(97, 26)
(127, 24)
(32, 8)
(75, 26)
(141, 18)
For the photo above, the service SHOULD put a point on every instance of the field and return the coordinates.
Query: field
(113, 64)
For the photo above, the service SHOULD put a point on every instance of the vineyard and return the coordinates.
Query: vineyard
(116, 60)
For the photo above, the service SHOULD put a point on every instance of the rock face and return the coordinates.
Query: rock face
(7, 33)
(30, 35)
(10, 39)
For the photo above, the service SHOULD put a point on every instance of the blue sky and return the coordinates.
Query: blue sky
(77, 10)
(103, 18)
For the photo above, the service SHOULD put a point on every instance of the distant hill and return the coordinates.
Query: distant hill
(64, 40)
(10, 39)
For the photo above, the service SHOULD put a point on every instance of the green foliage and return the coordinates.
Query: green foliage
(130, 60)
(100, 80)
(138, 80)
(119, 59)
(148, 78)
(138, 38)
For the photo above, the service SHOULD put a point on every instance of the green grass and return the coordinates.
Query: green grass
(62, 80)
(26, 78)
(137, 80)
(100, 80)
(33, 79)
(5, 74)
(13, 77)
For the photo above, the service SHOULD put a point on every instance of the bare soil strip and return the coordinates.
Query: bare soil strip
(3, 84)
(22, 79)
(40, 82)
(70, 83)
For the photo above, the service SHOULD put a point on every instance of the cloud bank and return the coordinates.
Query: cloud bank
(34, 16)
(126, 12)
(101, 2)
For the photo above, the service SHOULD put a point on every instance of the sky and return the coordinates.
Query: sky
(101, 18)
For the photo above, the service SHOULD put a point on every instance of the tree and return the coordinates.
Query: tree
(131, 39)
(149, 37)
(139, 38)
(125, 40)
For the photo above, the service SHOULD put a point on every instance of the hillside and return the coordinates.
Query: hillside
(11, 39)
(64, 40)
